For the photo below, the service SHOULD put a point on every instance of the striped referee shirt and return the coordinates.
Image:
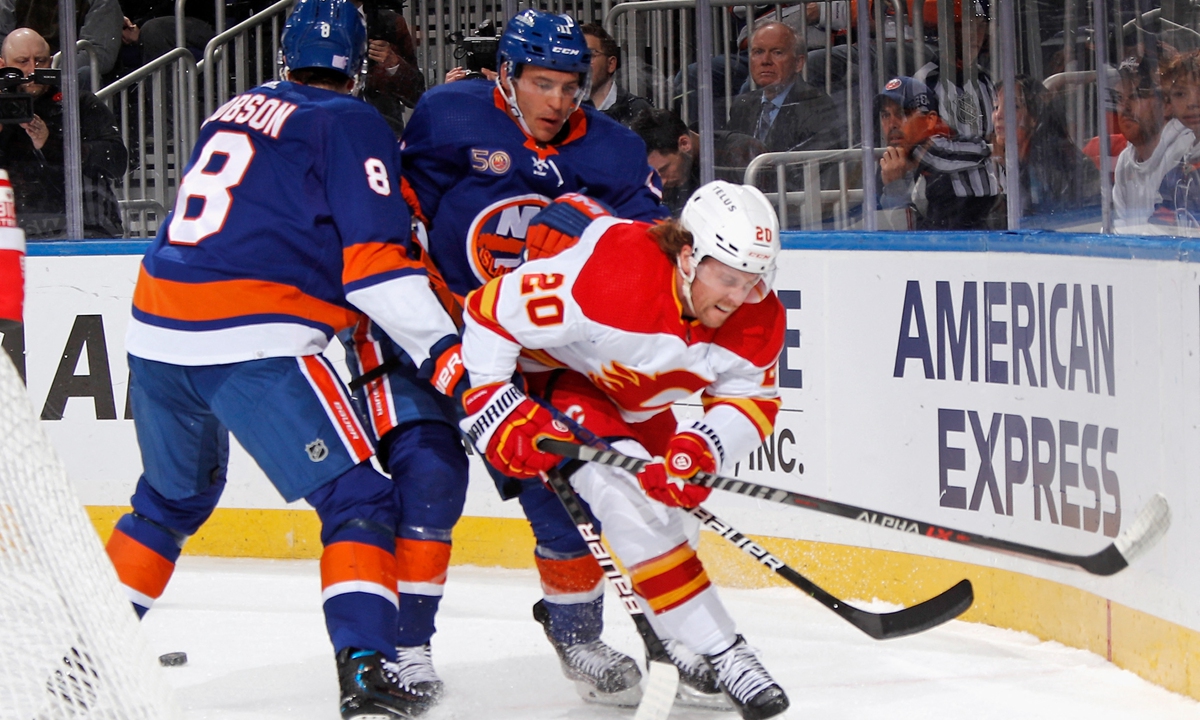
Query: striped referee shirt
(968, 112)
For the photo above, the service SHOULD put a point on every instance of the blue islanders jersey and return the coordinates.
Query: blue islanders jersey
(474, 179)
(289, 221)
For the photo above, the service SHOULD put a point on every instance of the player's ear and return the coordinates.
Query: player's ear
(685, 143)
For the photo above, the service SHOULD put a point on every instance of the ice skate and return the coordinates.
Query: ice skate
(698, 686)
(369, 692)
(601, 674)
(413, 671)
(749, 686)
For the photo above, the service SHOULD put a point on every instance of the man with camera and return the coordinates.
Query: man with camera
(31, 146)
(393, 79)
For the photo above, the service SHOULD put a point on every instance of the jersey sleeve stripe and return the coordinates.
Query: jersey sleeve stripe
(231, 299)
(760, 412)
(366, 260)
(481, 306)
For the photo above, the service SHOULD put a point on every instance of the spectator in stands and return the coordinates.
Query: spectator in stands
(1155, 145)
(33, 152)
(966, 100)
(902, 98)
(393, 79)
(98, 22)
(148, 29)
(609, 98)
(674, 151)
(941, 166)
(1181, 83)
(785, 113)
(1056, 177)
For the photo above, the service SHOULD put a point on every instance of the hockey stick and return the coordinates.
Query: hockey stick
(1146, 530)
(659, 693)
(882, 626)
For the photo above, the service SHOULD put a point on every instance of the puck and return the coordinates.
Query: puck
(172, 659)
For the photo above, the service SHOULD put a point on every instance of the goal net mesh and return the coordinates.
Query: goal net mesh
(70, 644)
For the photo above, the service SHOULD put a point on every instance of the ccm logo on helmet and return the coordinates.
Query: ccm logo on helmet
(564, 51)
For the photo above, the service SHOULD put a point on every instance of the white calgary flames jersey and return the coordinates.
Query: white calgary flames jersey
(608, 308)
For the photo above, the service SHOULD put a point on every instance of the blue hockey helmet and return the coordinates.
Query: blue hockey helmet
(327, 34)
(555, 42)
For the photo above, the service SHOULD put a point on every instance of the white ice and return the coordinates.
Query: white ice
(257, 649)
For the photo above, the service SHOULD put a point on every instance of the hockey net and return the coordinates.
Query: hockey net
(70, 645)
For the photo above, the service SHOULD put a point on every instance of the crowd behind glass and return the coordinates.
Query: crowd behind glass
(785, 80)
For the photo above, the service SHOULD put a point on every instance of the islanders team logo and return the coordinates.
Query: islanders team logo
(496, 238)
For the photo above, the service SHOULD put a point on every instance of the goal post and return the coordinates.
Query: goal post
(70, 644)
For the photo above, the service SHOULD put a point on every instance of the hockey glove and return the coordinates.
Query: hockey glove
(505, 425)
(444, 367)
(666, 480)
(560, 224)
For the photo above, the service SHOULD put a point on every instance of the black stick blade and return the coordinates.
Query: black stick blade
(929, 614)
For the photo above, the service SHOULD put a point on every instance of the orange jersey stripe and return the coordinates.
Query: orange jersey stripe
(353, 561)
(671, 579)
(341, 413)
(568, 577)
(199, 302)
(373, 258)
(422, 561)
(138, 566)
(759, 411)
(410, 197)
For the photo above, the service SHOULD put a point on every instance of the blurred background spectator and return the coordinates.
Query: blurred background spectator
(33, 152)
(1155, 145)
(673, 150)
(97, 21)
(607, 95)
(393, 79)
(1056, 177)
(785, 112)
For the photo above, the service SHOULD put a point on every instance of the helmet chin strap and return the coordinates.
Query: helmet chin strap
(510, 94)
(688, 275)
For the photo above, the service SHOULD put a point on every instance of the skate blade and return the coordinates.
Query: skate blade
(625, 698)
(692, 698)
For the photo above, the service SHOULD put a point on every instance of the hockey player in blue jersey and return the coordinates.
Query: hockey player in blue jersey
(289, 223)
(480, 160)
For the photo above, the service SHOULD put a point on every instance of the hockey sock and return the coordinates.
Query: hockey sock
(144, 554)
(685, 604)
(420, 578)
(358, 565)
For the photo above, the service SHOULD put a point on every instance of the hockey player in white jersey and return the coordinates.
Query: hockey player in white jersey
(612, 331)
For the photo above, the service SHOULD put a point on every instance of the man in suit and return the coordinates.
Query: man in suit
(785, 112)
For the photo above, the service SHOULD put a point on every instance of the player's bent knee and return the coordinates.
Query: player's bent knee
(358, 504)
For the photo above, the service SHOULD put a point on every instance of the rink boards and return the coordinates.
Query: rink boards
(1038, 388)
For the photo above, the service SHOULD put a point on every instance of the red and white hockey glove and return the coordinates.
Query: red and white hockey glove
(505, 425)
(560, 224)
(666, 480)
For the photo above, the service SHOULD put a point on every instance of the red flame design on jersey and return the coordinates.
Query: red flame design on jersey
(635, 391)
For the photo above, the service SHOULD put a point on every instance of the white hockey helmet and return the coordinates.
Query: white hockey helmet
(736, 225)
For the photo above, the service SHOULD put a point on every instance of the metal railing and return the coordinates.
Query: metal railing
(156, 112)
(812, 203)
(93, 62)
(251, 64)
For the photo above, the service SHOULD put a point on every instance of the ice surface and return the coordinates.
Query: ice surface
(257, 648)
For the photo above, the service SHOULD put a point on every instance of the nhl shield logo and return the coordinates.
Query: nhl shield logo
(317, 451)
